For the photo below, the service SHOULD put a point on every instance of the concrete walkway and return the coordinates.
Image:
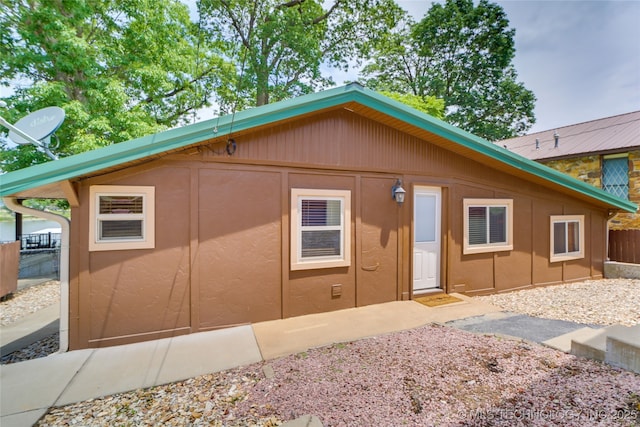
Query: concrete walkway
(29, 329)
(28, 389)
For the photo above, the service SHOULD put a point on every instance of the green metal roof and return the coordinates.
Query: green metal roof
(114, 155)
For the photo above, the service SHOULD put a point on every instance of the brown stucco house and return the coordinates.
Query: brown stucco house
(295, 208)
(603, 152)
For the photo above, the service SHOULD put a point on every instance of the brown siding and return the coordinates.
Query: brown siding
(125, 295)
(377, 260)
(223, 232)
(513, 268)
(544, 271)
(239, 259)
(309, 291)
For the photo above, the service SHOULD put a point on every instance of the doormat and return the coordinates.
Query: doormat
(436, 300)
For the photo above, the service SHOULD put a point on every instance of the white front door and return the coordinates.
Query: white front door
(426, 239)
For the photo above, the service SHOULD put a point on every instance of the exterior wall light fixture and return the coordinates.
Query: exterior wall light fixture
(398, 193)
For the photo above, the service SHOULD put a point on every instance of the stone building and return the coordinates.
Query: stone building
(604, 153)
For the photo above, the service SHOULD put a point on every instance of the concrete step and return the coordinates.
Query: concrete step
(623, 348)
(563, 342)
(616, 345)
(592, 345)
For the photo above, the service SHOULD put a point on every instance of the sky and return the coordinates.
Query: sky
(581, 59)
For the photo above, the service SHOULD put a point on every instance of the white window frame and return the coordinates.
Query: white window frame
(147, 217)
(566, 256)
(488, 247)
(342, 260)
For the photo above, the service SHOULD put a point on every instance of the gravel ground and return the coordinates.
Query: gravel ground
(598, 302)
(430, 376)
(29, 300)
(427, 376)
(41, 348)
(22, 303)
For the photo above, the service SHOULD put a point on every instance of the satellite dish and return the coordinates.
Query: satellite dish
(39, 125)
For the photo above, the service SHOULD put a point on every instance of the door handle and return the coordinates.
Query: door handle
(371, 268)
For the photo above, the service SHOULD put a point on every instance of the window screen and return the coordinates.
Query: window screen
(120, 230)
(567, 237)
(321, 228)
(121, 204)
(122, 217)
(488, 225)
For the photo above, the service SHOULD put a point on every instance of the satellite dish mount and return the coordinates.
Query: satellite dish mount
(37, 128)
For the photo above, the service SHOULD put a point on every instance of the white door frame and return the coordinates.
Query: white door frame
(426, 239)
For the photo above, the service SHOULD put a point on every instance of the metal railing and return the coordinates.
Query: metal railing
(40, 241)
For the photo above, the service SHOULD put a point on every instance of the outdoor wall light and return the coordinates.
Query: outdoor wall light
(398, 193)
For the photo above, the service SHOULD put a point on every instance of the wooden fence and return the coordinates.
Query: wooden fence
(9, 260)
(624, 246)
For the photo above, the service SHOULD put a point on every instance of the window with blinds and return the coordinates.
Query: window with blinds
(122, 217)
(320, 224)
(487, 225)
(321, 228)
(567, 237)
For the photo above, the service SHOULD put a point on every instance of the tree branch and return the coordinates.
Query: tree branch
(180, 88)
(290, 4)
(326, 15)
(237, 25)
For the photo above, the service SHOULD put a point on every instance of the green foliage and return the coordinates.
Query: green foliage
(462, 54)
(120, 69)
(429, 104)
(5, 214)
(279, 46)
(60, 207)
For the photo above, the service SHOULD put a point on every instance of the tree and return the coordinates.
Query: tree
(280, 46)
(462, 54)
(120, 69)
(430, 104)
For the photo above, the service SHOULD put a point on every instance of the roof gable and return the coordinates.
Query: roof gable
(353, 97)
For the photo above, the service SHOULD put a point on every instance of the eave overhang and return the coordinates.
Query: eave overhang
(43, 179)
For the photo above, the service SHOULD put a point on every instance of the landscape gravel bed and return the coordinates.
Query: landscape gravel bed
(597, 302)
(432, 375)
(429, 376)
(41, 348)
(29, 300)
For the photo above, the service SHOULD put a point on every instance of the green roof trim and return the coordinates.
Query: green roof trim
(113, 155)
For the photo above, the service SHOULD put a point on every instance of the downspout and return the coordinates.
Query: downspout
(610, 216)
(15, 206)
